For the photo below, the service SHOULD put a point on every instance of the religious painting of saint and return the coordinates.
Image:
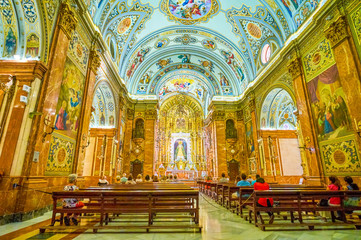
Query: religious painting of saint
(190, 9)
(329, 108)
(32, 46)
(249, 139)
(70, 99)
(180, 150)
(209, 44)
(10, 44)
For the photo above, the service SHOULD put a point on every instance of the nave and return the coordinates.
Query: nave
(217, 222)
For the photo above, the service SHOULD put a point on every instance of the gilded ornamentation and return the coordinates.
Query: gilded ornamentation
(68, 20)
(337, 32)
(219, 115)
(95, 61)
(151, 114)
(294, 68)
(341, 157)
(187, 13)
(130, 113)
(240, 115)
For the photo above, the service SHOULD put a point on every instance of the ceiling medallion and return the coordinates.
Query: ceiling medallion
(189, 12)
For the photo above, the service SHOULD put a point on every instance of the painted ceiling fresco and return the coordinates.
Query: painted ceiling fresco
(225, 43)
(221, 44)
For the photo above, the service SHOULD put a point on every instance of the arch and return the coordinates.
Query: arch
(277, 112)
(103, 107)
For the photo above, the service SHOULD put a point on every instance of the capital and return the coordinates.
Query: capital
(94, 61)
(337, 31)
(67, 20)
(295, 68)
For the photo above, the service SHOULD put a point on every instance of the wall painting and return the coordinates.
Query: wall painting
(333, 124)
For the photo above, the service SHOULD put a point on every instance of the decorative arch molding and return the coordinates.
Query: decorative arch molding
(277, 112)
(173, 52)
(195, 31)
(181, 99)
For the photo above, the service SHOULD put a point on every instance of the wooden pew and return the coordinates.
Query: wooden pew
(152, 203)
(298, 202)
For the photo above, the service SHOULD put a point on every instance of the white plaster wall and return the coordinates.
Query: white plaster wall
(291, 157)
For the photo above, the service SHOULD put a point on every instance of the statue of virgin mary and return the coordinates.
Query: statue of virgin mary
(180, 152)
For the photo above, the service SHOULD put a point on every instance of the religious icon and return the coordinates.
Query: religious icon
(209, 44)
(190, 9)
(10, 44)
(32, 46)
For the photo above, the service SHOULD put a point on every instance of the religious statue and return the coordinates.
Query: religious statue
(180, 152)
(231, 131)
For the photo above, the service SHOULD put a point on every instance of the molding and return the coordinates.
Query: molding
(295, 68)
(68, 20)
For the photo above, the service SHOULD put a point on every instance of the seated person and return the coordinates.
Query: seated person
(254, 181)
(147, 179)
(155, 178)
(103, 181)
(124, 179)
(223, 179)
(130, 180)
(250, 179)
(242, 183)
(139, 179)
(170, 178)
(175, 178)
(335, 185)
(71, 202)
(261, 185)
(352, 201)
(238, 178)
(117, 179)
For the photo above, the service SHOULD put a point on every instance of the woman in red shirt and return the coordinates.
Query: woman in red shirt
(261, 185)
(334, 186)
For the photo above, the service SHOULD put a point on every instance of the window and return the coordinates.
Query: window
(266, 53)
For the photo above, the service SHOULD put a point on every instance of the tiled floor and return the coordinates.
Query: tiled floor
(217, 222)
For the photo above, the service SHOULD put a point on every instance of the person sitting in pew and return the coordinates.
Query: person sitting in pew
(130, 180)
(334, 185)
(155, 178)
(223, 179)
(71, 202)
(170, 178)
(250, 179)
(175, 178)
(254, 181)
(352, 201)
(238, 178)
(124, 179)
(147, 179)
(117, 179)
(242, 183)
(261, 185)
(139, 179)
(103, 181)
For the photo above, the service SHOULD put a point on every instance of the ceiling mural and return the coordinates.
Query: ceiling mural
(226, 42)
(189, 12)
(26, 28)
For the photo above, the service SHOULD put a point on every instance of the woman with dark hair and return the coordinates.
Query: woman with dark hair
(261, 185)
(351, 186)
(335, 185)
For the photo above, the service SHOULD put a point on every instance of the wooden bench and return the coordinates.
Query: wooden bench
(151, 203)
(297, 203)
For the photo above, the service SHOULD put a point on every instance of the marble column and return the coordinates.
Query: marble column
(149, 125)
(241, 131)
(128, 140)
(66, 24)
(252, 108)
(221, 148)
(305, 120)
(348, 64)
(25, 73)
(85, 114)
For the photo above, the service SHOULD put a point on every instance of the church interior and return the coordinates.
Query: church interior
(195, 94)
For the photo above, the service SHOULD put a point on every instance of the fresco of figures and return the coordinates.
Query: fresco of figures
(190, 9)
(70, 100)
(329, 107)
